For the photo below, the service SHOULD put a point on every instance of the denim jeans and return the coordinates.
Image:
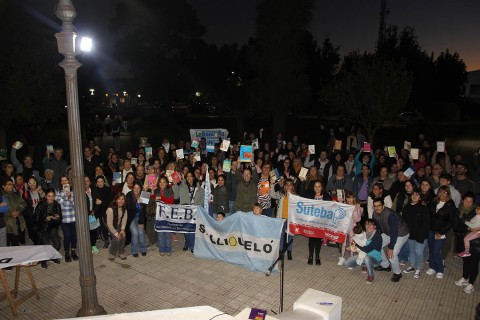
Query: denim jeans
(267, 212)
(164, 242)
(435, 252)
(138, 237)
(369, 262)
(416, 253)
(231, 205)
(69, 236)
(404, 252)
(289, 238)
(396, 250)
(190, 240)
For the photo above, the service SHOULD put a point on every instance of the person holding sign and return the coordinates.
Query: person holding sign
(64, 197)
(315, 244)
(282, 212)
(137, 211)
(189, 191)
(165, 194)
(246, 189)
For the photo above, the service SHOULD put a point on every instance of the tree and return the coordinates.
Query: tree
(279, 59)
(450, 76)
(372, 93)
(31, 82)
(154, 34)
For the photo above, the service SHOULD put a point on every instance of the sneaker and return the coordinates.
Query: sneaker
(370, 279)
(468, 289)
(144, 254)
(461, 282)
(430, 272)
(122, 257)
(341, 260)
(162, 254)
(364, 269)
(135, 255)
(417, 274)
(380, 268)
(439, 275)
(95, 250)
(464, 254)
(396, 277)
(111, 257)
(402, 263)
(409, 269)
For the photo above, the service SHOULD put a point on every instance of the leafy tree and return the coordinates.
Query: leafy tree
(450, 76)
(279, 58)
(372, 93)
(31, 82)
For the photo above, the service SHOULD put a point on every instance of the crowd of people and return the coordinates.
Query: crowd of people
(407, 210)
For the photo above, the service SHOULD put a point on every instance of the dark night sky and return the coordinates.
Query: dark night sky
(351, 24)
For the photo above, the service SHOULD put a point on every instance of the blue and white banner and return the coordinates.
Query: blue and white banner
(175, 218)
(319, 219)
(243, 239)
(209, 134)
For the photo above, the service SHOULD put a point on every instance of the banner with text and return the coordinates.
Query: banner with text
(319, 219)
(175, 218)
(243, 239)
(213, 135)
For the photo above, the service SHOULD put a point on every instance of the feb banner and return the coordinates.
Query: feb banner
(175, 218)
(244, 239)
(214, 135)
(319, 219)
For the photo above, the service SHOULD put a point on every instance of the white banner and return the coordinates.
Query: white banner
(175, 218)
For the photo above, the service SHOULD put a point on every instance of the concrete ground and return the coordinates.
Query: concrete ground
(155, 282)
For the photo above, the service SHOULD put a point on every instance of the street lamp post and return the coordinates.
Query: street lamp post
(65, 11)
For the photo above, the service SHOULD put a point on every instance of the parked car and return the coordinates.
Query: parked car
(410, 117)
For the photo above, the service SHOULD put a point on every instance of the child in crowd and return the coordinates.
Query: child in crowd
(356, 217)
(151, 179)
(360, 239)
(257, 209)
(473, 224)
(220, 216)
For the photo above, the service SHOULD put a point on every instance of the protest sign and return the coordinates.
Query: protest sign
(214, 135)
(134, 161)
(246, 154)
(227, 165)
(391, 152)
(337, 145)
(367, 147)
(50, 148)
(117, 177)
(175, 218)
(225, 144)
(311, 149)
(243, 239)
(440, 146)
(407, 145)
(148, 153)
(319, 219)
(303, 173)
(145, 196)
(414, 153)
(179, 154)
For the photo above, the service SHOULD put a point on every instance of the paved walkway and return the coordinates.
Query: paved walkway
(154, 282)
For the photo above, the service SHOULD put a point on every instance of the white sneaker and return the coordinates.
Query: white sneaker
(417, 274)
(439, 275)
(430, 271)
(341, 260)
(468, 289)
(461, 282)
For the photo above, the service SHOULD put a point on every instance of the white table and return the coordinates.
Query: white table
(22, 257)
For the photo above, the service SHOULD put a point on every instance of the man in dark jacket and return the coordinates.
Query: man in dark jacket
(394, 235)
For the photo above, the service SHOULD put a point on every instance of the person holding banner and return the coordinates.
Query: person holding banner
(315, 244)
(220, 196)
(282, 212)
(189, 191)
(164, 193)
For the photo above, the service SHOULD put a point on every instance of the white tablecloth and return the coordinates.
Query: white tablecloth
(26, 255)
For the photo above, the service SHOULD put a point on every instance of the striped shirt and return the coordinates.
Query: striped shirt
(67, 205)
(264, 198)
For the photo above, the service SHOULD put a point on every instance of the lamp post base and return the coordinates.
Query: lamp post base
(96, 311)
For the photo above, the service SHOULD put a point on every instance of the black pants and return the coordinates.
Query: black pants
(314, 244)
(470, 267)
(13, 240)
(94, 236)
(50, 236)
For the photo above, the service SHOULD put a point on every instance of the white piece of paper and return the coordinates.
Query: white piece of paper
(414, 153)
(225, 145)
(407, 145)
(179, 153)
(145, 197)
(311, 149)
(441, 146)
(303, 173)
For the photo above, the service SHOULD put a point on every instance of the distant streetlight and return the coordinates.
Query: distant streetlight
(65, 11)
(92, 92)
(125, 93)
(198, 94)
(86, 44)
